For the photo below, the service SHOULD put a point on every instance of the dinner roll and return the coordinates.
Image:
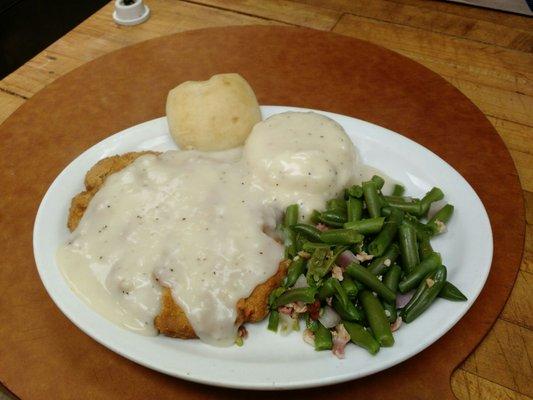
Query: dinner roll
(216, 114)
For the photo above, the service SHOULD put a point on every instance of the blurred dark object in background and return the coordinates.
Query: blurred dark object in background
(516, 6)
(29, 26)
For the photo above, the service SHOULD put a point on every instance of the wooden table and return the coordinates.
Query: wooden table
(485, 54)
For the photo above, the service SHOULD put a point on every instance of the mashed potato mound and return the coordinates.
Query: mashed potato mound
(216, 114)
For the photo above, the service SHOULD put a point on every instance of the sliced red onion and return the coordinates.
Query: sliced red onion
(301, 282)
(329, 317)
(403, 298)
(340, 339)
(346, 258)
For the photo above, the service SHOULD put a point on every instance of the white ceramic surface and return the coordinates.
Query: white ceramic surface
(267, 360)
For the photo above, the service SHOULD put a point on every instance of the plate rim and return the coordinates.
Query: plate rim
(266, 385)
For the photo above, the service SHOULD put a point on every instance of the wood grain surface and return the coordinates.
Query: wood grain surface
(485, 54)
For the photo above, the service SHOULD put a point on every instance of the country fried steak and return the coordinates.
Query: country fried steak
(171, 320)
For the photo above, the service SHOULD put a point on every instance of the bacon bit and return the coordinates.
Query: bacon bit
(304, 254)
(321, 227)
(396, 324)
(441, 226)
(363, 256)
(329, 301)
(340, 339)
(314, 310)
(430, 282)
(336, 272)
(309, 337)
(286, 309)
(387, 262)
(242, 332)
(299, 307)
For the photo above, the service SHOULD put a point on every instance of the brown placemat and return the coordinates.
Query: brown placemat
(44, 356)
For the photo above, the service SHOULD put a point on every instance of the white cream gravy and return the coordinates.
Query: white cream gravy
(195, 222)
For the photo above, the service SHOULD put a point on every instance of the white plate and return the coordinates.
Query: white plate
(267, 360)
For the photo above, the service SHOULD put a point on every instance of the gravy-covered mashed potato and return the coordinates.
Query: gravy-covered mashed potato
(195, 222)
(303, 158)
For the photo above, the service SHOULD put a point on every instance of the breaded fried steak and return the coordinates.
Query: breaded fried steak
(171, 320)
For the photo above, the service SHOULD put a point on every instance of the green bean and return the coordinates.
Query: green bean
(424, 248)
(310, 323)
(338, 205)
(273, 321)
(435, 194)
(315, 217)
(327, 289)
(428, 290)
(294, 271)
(398, 190)
(438, 221)
(386, 211)
(332, 218)
(354, 209)
(341, 236)
(412, 206)
(274, 295)
(291, 218)
(405, 199)
(415, 296)
(372, 200)
(340, 292)
(391, 279)
(376, 318)
(316, 264)
(342, 304)
(362, 275)
(387, 234)
(311, 246)
(361, 337)
(350, 287)
(322, 261)
(366, 226)
(380, 264)
(291, 215)
(425, 267)
(299, 241)
(306, 294)
(390, 311)
(378, 180)
(421, 229)
(408, 247)
(290, 242)
(347, 311)
(450, 292)
(355, 191)
(307, 230)
(322, 338)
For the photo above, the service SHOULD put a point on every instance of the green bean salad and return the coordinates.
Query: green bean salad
(361, 267)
